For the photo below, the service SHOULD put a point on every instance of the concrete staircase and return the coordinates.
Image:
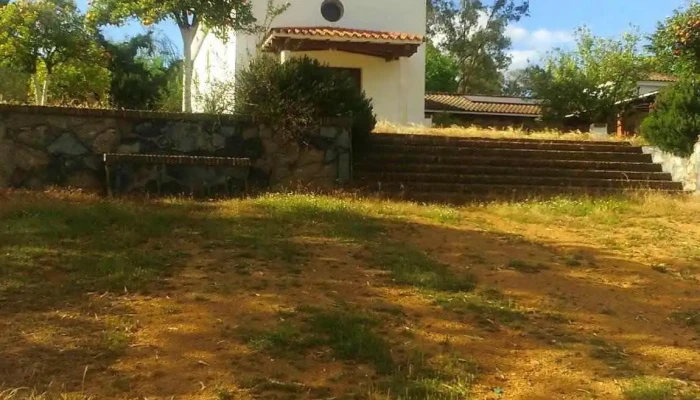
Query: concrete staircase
(453, 169)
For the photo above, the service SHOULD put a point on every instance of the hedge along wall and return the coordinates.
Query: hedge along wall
(56, 146)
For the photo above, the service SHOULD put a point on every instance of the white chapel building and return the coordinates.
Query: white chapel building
(380, 42)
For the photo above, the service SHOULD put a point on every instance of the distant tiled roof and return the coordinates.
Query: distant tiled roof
(354, 34)
(656, 77)
(481, 104)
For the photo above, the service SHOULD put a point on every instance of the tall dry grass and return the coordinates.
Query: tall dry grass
(31, 394)
(497, 133)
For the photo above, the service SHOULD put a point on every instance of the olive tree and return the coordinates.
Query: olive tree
(40, 36)
(590, 81)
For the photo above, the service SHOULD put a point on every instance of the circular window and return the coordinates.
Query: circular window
(332, 10)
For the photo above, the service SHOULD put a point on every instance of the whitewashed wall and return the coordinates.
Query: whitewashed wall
(216, 62)
(644, 87)
(684, 170)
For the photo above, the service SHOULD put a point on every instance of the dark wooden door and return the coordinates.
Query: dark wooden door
(354, 73)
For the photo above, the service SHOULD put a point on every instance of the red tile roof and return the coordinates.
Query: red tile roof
(354, 34)
(657, 77)
(497, 105)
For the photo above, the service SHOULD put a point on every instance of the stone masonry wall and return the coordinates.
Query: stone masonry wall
(684, 170)
(47, 146)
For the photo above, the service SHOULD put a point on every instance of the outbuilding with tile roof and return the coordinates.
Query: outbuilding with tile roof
(484, 111)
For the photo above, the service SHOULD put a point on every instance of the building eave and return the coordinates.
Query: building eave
(431, 111)
(387, 45)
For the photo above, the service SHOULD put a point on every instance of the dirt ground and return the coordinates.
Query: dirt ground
(569, 302)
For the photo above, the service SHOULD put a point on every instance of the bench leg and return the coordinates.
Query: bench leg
(246, 183)
(118, 180)
(108, 181)
(159, 181)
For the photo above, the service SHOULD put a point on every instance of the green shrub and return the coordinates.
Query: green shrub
(292, 97)
(673, 124)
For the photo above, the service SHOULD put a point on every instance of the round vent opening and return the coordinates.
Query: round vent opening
(332, 10)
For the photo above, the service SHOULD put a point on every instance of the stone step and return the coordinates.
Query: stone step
(412, 138)
(510, 153)
(361, 170)
(385, 160)
(463, 183)
(482, 143)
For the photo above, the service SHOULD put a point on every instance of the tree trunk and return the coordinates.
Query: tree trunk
(37, 90)
(191, 46)
(43, 90)
(188, 63)
(40, 90)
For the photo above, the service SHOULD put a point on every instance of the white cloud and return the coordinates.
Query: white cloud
(516, 33)
(530, 45)
(481, 22)
(540, 39)
(521, 58)
(546, 38)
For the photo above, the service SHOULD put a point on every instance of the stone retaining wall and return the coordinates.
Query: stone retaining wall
(684, 170)
(46, 146)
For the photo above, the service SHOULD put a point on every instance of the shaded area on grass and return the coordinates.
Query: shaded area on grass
(410, 266)
(83, 247)
(60, 248)
(63, 345)
(490, 307)
(349, 334)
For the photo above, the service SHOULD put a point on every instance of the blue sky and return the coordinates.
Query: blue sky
(551, 23)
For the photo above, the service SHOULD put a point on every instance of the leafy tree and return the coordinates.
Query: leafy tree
(79, 82)
(590, 80)
(43, 34)
(676, 42)
(440, 71)
(219, 98)
(474, 35)
(141, 67)
(673, 124)
(14, 85)
(517, 83)
(431, 17)
(195, 18)
(170, 97)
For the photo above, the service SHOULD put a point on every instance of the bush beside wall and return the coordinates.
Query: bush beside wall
(292, 96)
(673, 124)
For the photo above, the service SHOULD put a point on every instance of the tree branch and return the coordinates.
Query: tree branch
(178, 19)
(195, 20)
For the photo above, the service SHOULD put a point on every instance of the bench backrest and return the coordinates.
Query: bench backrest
(164, 159)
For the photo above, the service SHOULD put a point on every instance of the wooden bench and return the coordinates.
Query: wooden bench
(111, 159)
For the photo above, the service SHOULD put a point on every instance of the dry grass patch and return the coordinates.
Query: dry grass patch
(28, 394)
(303, 296)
